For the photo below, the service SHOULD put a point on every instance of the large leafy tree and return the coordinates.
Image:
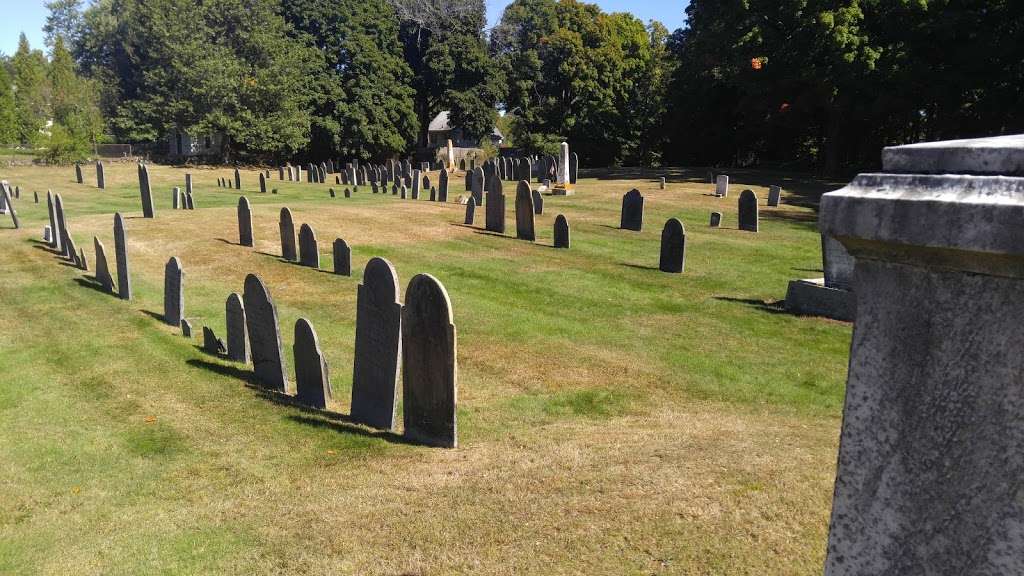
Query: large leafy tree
(8, 117)
(363, 104)
(31, 92)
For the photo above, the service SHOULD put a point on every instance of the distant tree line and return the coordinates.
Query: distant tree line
(810, 84)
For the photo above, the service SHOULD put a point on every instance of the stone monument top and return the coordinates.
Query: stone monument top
(997, 155)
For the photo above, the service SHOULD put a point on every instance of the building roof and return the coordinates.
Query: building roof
(442, 123)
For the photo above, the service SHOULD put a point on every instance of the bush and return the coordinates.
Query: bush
(62, 147)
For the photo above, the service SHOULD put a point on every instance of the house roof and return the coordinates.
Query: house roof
(442, 123)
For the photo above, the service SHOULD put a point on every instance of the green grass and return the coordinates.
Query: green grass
(612, 418)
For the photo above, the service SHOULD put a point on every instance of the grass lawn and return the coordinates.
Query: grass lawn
(613, 419)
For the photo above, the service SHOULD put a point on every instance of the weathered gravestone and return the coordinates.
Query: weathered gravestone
(416, 183)
(55, 239)
(309, 252)
(673, 247)
(174, 292)
(312, 381)
(103, 277)
(477, 186)
(211, 343)
(83, 263)
(10, 206)
(101, 181)
(929, 468)
(62, 227)
(442, 186)
(238, 179)
(244, 222)
(264, 335)
(189, 202)
(774, 195)
(342, 258)
(124, 284)
(661, 183)
(429, 364)
(524, 212)
(348, 193)
(468, 177)
(238, 336)
(35, 195)
(188, 184)
(722, 186)
(561, 232)
(78, 173)
(433, 194)
(263, 183)
(331, 193)
(470, 211)
(186, 328)
(574, 167)
(632, 217)
(71, 249)
(494, 209)
(146, 192)
(176, 199)
(378, 346)
(748, 211)
(716, 219)
(538, 202)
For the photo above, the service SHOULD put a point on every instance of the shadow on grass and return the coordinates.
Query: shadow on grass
(154, 315)
(246, 376)
(776, 307)
(640, 266)
(817, 270)
(91, 282)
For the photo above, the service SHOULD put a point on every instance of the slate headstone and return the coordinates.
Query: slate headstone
(244, 222)
(429, 364)
(103, 277)
(78, 173)
(312, 381)
(264, 335)
(211, 343)
(309, 253)
(673, 247)
(146, 192)
(124, 285)
(538, 202)
(442, 186)
(342, 258)
(722, 186)
(494, 209)
(561, 232)
(174, 292)
(774, 195)
(748, 211)
(378, 346)
(632, 211)
(525, 212)
(101, 181)
(716, 219)
(186, 328)
(238, 335)
(470, 211)
(263, 183)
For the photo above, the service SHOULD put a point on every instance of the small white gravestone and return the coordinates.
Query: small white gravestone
(47, 235)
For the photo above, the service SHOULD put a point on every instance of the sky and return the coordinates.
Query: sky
(28, 16)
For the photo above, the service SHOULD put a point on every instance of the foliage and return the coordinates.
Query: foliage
(31, 93)
(62, 146)
(64, 22)
(8, 118)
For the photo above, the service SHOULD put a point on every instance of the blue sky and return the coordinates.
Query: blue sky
(29, 15)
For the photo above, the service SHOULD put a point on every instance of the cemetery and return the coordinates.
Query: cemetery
(312, 339)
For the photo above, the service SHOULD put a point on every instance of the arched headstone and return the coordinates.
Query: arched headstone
(561, 232)
(244, 222)
(102, 268)
(673, 247)
(538, 201)
(442, 186)
(429, 364)
(342, 258)
(470, 211)
(55, 239)
(146, 192)
(174, 292)
(494, 209)
(378, 346)
(263, 183)
(238, 336)
(238, 179)
(477, 186)
(632, 211)
(774, 195)
(312, 381)
(264, 335)
(716, 219)
(101, 181)
(722, 186)
(78, 173)
(309, 252)
(524, 212)
(416, 183)
(748, 211)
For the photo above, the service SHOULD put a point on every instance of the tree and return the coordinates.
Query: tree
(8, 117)
(31, 92)
(363, 104)
(75, 106)
(64, 21)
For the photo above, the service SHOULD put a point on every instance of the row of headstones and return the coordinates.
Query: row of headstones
(7, 196)
(101, 181)
(722, 190)
(59, 238)
(529, 204)
(57, 235)
(421, 331)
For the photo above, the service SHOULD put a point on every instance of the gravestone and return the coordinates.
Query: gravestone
(101, 181)
(146, 192)
(211, 343)
(71, 249)
(312, 382)
(62, 228)
(661, 183)
(176, 199)
(561, 232)
(280, 173)
(416, 182)
(929, 466)
(722, 186)
(433, 194)
(35, 195)
(103, 277)
(10, 205)
(55, 239)
(470, 211)
(716, 219)
(342, 258)
(442, 186)
(83, 263)
(402, 195)
(174, 292)
(190, 202)
(309, 253)
(468, 177)
(348, 193)
(188, 184)
(238, 179)
(525, 212)
(238, 336)
(426, 182)
(264, 335)
(244, 222)
(78, 173)
(774, 195)
(632, 217)
(124, 284)
(263, 183)
(538, 202)
(673, 247)
(494, 209)
(574, 167)
(429, 364)
(186, 328)
(477, 186)
(378, 346)
(47, 234)
(330, 192)
(748, 211)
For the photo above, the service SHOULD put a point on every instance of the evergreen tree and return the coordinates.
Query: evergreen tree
(31, 95)
(8, 117)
